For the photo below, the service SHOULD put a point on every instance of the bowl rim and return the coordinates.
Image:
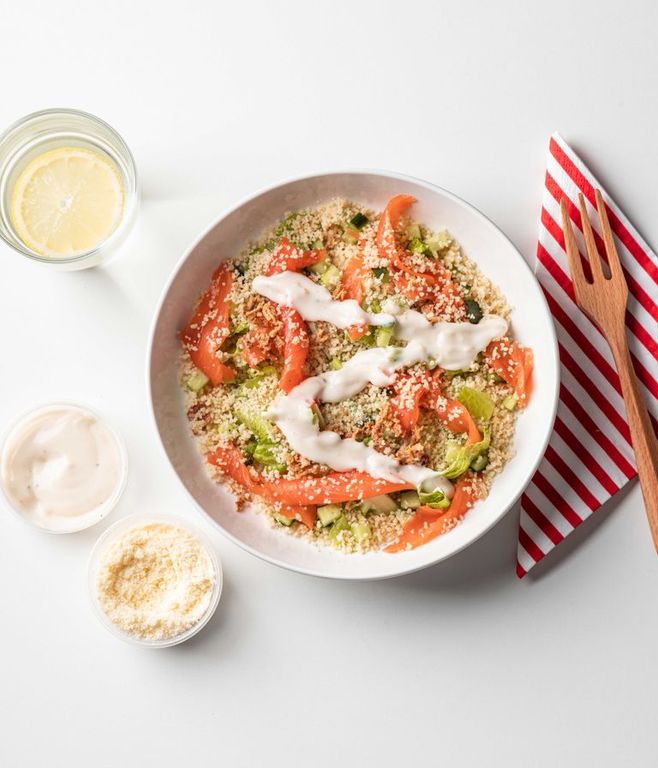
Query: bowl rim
(435, 188)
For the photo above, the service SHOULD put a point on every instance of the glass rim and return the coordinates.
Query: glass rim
(130, 208)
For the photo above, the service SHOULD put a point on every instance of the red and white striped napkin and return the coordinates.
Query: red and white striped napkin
(590, 456)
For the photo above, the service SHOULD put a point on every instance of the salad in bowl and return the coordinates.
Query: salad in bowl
(354, 375)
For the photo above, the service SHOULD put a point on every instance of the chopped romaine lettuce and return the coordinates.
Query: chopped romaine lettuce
(409, 500)
(434, 499)
(478, 403)
(460, 457)
(258, 375)
(417, 246)
(265, 453)
(381, 273)
(458, 460)
(256, 423)
(480, 462)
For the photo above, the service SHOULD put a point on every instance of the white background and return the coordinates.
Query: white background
(460, 665)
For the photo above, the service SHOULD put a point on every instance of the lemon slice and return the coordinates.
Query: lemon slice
(67, 201)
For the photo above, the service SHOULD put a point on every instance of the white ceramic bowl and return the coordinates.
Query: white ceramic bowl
(482, 241)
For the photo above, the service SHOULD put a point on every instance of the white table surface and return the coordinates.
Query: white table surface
(460, 665)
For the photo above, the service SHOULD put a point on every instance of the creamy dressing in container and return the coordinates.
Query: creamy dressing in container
(62, 468)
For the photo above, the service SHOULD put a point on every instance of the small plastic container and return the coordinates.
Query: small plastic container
(81, 522)
(51, 129)
(135, 521)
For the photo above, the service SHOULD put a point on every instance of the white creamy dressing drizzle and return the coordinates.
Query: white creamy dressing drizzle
(451, 345)
(313, 302)
(61, 464)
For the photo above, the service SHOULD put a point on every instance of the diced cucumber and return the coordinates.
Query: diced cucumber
(478, 403)
(331, 276)
(351, 237)
(510, 402)
(329, 513)
(361, 532)
(340, 524)
(381, 273)
(319, 268)
(287, 521)
(336, 364)
(382, 504)
(413, 232)
(473, 311)
(375, 307)
(384, 335)
(317, 245)
(196, 381)
(480, 462)
(409, 500)
(359, 221)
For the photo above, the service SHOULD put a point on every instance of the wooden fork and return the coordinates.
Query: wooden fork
(604, 301)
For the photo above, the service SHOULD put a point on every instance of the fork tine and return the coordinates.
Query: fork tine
(610, 248)
(590, 243)
(571, 247)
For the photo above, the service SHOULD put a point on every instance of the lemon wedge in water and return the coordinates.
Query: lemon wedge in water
(67, 201)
